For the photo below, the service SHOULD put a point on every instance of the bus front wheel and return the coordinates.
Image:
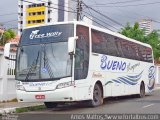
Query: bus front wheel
(142, 90)
(50, 104)
(97, 96)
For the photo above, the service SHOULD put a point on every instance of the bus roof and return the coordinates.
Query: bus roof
(96, 28)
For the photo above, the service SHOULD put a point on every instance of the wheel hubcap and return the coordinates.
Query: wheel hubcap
(97, 95)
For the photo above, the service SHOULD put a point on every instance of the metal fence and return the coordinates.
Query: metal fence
(11, 65)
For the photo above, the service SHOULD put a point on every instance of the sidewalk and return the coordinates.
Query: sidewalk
(10, 107)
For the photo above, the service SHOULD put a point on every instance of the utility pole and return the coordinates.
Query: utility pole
(79, 9)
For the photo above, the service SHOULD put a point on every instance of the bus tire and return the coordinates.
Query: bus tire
(142, 90)
(97, 96)
(50, 104)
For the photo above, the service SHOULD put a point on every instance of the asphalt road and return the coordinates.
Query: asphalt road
(150, 104)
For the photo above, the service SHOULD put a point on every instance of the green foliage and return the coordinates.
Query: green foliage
(7, 35)
(133, 32)
(154, 40)
(32, 108)
(136, 33)
(12, 33)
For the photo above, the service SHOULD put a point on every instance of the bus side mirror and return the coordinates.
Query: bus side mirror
(71, 44)
(7, 48)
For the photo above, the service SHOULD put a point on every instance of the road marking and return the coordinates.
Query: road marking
(147, 105)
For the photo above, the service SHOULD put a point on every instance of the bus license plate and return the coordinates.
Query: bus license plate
(40, 96)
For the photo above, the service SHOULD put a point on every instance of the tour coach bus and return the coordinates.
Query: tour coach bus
(73, 61)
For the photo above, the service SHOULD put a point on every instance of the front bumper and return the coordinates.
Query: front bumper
(59, 95)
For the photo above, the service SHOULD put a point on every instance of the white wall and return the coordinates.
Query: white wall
(7, 82)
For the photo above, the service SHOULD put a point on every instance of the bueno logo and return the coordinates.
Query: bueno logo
(35, 34)
(112, 64)
(151, 77)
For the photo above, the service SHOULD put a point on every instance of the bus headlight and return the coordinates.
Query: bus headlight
(65, 84)
(20, 87)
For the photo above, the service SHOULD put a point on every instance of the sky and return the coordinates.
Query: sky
(124, 11)
(8, 13)
(120, 11)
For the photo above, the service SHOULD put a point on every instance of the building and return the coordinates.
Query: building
(147, 25)
(37, 12)
(1, 33)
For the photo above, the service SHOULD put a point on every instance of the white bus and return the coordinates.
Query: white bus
(73, 61)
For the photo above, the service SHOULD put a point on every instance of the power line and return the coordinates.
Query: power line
(15, 20)
(16, 28)
(102, 21)
(98, 23)
(148, 17)
(128, 5)
(104, 15)
(156, 21)
(120, 2)
(8, 14)
(91, 15)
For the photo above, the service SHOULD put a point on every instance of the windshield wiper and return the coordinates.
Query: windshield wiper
(34, 64)
(47, 65)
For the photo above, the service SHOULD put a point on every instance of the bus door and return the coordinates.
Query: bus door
(81, 59)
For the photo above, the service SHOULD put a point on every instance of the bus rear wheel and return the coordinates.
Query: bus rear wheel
(50, 104)
(97, 96)
(142, 90)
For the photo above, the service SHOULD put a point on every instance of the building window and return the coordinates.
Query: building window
(49, 20)
(49, 11)
(34, 21)
(38, 21)
(38, 5)
(38, 13)
(49, 3)
(34, 13)
(29, 22)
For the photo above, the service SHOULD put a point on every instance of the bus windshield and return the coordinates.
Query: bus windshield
(45, 59)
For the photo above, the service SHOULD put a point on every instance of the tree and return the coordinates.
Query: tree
(154, 40)
(136, 33)
(12, 33)
(7, 35)
(133, 32)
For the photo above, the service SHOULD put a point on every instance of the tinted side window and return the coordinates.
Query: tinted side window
(104, 43)
(146, 54)
(82, 53)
